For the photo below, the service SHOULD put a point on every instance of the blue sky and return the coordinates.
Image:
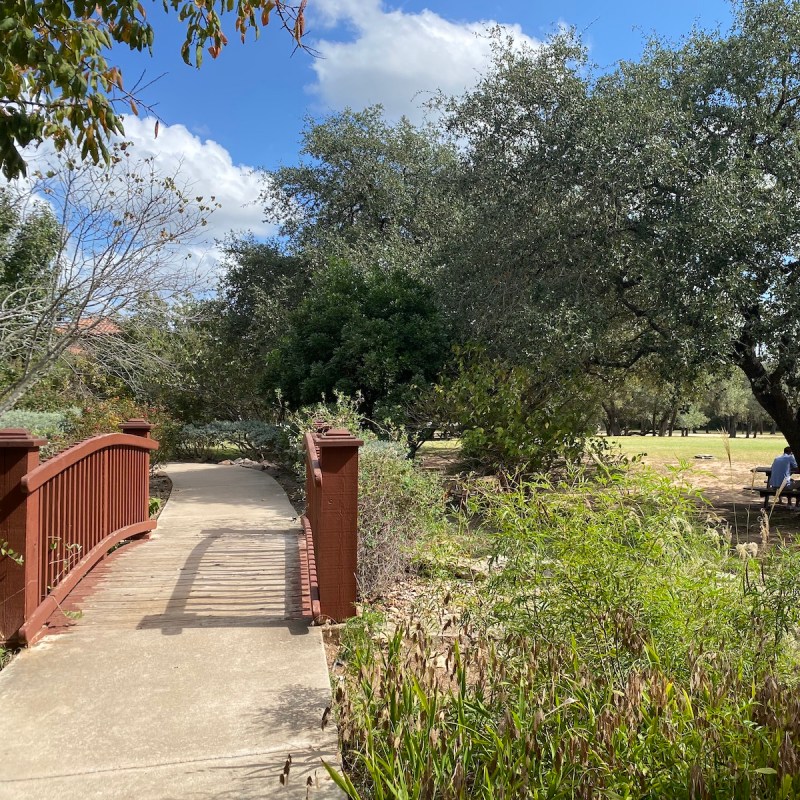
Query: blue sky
(246, 109)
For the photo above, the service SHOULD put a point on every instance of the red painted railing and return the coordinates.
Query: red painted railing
(330, 523)
(61, 517)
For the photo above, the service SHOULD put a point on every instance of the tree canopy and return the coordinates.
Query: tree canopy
(368, 331)
(366, 189)
(57, 83)
(649, 211)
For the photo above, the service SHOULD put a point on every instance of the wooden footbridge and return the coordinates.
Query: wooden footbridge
(188, 666)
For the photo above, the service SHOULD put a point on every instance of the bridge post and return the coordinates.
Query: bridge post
(19, 531)
(337, 538)
(141, 427)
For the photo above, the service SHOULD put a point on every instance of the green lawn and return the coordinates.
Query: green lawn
(675, 448)
(666, 449)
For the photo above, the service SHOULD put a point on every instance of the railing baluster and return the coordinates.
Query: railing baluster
(83, 525)
(46, 524)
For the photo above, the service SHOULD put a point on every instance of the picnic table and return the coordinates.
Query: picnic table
(766, 491)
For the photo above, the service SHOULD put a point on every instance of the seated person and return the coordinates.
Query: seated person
(782, 469)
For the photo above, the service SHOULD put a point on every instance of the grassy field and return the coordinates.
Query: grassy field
(666, 449)
(744, 452)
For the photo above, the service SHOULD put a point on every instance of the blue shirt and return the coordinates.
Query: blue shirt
(782, 469)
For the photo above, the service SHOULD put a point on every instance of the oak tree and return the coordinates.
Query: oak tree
(647, 212)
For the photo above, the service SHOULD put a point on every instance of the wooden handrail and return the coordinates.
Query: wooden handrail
(312, 460)
(45, 472)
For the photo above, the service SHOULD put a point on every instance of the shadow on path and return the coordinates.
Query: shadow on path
(235, 578)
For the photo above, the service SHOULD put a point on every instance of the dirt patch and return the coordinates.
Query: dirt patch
(442, 459)
(726, 487)
(160, 487)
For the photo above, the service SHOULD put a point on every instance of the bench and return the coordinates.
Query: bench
(768, 491)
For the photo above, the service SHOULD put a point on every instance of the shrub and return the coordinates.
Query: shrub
(197, 441)
(397, 504)
(49, 424)
(106, 416)
(514, 418)
(252, 438)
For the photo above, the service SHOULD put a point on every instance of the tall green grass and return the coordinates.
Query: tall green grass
(618, 651)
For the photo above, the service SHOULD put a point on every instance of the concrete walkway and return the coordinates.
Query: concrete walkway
(189, 674)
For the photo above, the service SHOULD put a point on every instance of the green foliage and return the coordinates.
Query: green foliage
(375, 332)
(28, 244)
(629, 547)
(359, 633)
(252, 438)
(48, 424)
(197, 441)
(344, 412)
(368, 190)
(154, 506)
(219, 349)
(7, 552)
(646, 211)
(515, 418)
(106, 416)
(691, 417)
(398, 505)
(55, 77)
(617, 650)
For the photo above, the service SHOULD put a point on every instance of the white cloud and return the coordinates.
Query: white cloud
(204, 168)
(396, 58)
(207, 167)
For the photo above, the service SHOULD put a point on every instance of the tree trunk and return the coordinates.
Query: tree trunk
(612, 419)
(673, 418)
(770, 397)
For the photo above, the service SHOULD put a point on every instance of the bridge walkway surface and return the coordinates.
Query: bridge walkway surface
(190, 673)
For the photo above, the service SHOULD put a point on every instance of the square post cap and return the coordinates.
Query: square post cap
(137, 427)
(21, 439)
(337, 437)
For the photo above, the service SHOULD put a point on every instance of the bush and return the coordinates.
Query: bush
(517, 419)
(197, 442)
(106, 416)
(397, 504)
(252, 438)
(49, 424)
